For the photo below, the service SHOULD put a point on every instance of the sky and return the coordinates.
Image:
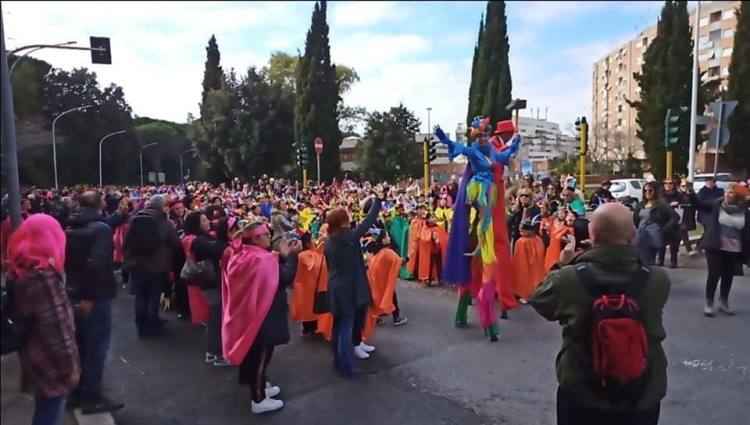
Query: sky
(417, 53)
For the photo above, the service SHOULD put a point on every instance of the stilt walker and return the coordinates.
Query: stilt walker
(475, 259)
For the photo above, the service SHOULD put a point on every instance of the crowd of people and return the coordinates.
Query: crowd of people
(225, 256)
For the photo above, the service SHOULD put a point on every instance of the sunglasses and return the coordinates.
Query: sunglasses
(524, 195)
(649, 191)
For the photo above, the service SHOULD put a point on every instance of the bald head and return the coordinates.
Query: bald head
(90, 199)
(611, 224)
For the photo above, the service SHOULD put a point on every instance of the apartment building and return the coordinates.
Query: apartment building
(543, 140)
(613, 127)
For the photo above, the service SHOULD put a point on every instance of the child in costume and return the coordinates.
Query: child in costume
(473, 254)
(528, 262)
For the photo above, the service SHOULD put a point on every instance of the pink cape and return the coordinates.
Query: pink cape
(249, 284)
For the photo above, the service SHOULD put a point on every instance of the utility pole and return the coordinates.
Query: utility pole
(426, 154)
(694, 95)
(10, 152)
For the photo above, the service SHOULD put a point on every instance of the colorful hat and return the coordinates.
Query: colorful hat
(505, 126)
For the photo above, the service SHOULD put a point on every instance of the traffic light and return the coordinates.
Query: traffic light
(582, 135)
(432, 153)
(100, 56)
(301, 156)
(672, 126)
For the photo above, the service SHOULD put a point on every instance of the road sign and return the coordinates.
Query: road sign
(103, 54)
(722, 110)
(723, 136)
(318, 146)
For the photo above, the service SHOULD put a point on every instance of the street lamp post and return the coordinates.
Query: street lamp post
(140, 158)
(18, 59)
(426, 154)
(182, 173)
(100, 151)
(54, 145)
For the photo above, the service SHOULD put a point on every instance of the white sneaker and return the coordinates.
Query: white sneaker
(367, 348)
(692, 254)
(272, 391)
(708, 310)
(211, 358)
(360, 353)
(724, 308)
(267, 405)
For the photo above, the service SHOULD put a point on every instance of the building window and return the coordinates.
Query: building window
(619, 122)
(728, 33)
(619, 107)
(724, 71)
(714, 17)
(644, 42)
(639, 61)
(714, 35)
(703, 22)
(726, 53)
(713, 71)
(728, 14)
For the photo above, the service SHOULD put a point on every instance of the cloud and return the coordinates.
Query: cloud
(367, 51)
(363, 13)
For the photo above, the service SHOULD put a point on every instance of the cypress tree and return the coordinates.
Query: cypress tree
(317, 98)
(497, 69)
(653, 81)
(491, 83)
(475, 65)
(679, 81)
(213, 75)
(203, 131)
(738, 149)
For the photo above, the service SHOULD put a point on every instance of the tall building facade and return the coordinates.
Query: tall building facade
(612, 127)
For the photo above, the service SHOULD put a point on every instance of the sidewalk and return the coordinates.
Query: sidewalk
(17, 408)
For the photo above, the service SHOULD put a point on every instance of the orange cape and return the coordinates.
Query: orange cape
(528, 265)
(382, 274)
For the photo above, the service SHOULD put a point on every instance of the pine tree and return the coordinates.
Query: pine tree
(738, 149)
(317, 98)
(491, 84)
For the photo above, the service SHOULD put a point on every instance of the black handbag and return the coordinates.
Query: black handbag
(321, 304)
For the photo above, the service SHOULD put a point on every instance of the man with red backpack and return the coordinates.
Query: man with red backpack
(611, 367)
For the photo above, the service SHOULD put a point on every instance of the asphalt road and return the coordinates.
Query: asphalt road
(429, 372)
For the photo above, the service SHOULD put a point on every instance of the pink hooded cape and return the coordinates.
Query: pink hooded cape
(249, 284)
(36, 244)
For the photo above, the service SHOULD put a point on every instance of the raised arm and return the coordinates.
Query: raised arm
(506, 154)
(454, 149)
(369, 221)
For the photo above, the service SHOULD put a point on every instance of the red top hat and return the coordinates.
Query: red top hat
(505, 127)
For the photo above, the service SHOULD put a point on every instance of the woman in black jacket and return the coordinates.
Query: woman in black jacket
(656, 223)
(348, 287)
(202, 248)
(726, 240)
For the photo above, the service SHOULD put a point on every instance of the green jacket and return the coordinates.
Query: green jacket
(561, 297)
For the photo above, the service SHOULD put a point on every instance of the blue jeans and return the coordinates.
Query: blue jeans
(92, 336)
(47, 411)
(347, 332)
(147, 290)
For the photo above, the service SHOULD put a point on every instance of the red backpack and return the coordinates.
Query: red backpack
(619, 347)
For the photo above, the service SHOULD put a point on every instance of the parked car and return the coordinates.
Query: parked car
(627, 191)
(722, 180)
